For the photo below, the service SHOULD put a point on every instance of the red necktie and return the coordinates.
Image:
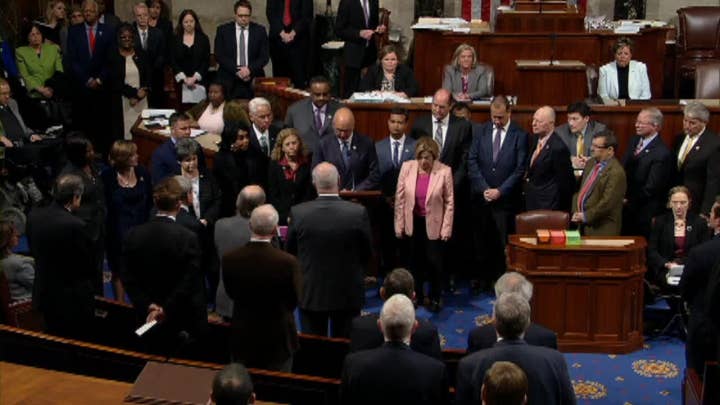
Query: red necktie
(91, 37)
(587, 186)
(287, 17)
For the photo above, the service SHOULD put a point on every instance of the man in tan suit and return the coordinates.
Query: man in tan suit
(597, 207)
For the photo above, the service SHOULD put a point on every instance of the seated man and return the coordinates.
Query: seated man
(484, 337)
(13, 132)
(547, 373)
(364, 332)
(393, 374)
(232, 385)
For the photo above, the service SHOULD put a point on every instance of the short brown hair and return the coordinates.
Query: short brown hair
(679, 189)
(622, 43)
(427, 144)
(388, 49)
(504, 383)
(120, 154)
(167, 193)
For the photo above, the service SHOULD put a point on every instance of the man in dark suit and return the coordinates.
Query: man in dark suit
(393, 373)
(365, 333)
(485, 337)
(333, 255)
(262, 134)
(547, 373)
(164, 158)
(649, 169)
(392, 151)
(290, 23)
(88, 45)
(353, 154)
(163, 277)
(312, 117)
(264, 284)
(577, 133)
(152, 41)
(698, 158)
(241, 50)
(597, 206)
(549, 181)
(696, 285)
(63, 290)
(356, 24)
(496, 164)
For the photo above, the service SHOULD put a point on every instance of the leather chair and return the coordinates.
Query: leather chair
(707, 80)
(698, 40)
(526, 223)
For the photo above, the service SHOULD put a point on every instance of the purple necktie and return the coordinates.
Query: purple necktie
(318, 120)
(496, 144)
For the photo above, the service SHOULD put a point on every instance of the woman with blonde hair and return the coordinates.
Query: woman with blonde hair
(289, 180)
(128, 196)
(54, 23)
(465, 77)
(424, 207)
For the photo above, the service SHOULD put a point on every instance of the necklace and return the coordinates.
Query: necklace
(128, 180)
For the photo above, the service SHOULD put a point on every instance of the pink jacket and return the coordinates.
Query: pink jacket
(439, 203)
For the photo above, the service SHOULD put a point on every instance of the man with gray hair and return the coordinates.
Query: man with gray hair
(234, 232)
(484, 336)
(263, 132)
(331, 238)
(153, 42)
(65, 270)
(546, 370)
(649, 170)
(697, 151)
(264, 284)
(392, 373)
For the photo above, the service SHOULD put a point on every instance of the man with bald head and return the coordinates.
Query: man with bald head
(549, 180)
(353, 154)
(331, 238)
(264, 284)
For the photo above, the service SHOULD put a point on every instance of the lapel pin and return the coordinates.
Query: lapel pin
(354, 147)
(697, 147)
(689, 228)
(647, 151)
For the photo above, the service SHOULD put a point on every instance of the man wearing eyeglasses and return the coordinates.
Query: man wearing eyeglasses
(649, 169)
(241, 50)
(597, 207)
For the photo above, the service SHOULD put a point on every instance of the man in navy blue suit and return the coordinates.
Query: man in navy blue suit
(88, 45)
(496, 164)
(241, 50)
(352, 153)
(290, 28)
(546, 370)
(164, 158)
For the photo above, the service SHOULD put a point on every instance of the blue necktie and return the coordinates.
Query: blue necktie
(396, 153)
(346, 154)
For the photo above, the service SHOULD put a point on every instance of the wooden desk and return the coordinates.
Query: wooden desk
(147, 140)
(531, 21)
(434, 49)
(591, 296)
(536, 74)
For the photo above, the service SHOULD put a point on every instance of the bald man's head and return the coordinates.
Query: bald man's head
(441, 104)
(326, 178)
(543, 122)
(343, 123)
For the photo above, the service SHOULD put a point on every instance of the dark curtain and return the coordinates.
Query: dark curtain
(629, 10)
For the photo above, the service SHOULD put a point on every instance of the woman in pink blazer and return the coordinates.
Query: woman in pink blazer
(424, 204)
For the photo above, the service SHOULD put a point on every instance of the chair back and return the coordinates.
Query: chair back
(526, 223)
(491, 78)
(707, 79)
(699, 31)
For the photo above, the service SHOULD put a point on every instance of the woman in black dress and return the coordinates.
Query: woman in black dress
(289, 181)
(128, 194)
(189, 51)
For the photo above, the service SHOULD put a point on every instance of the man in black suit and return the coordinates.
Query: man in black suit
(484, 337)
(649, 170)
(547, 373)
(496, 164)
(88, 45)
(264, 284)
(65, 268)
(365, 333)
(163, 276)
(152, 41)
(393, 373)
(241, 50)
(290, 23)
(698, 158)
(164, 158)
(549, 179)
(695, 285)
(312, 116)
(356, 24)
(353, 154)
(333, 254)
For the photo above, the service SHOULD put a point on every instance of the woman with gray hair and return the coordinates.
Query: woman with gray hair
(465, 77)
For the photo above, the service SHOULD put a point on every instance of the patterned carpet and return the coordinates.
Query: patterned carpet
(652, 375)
